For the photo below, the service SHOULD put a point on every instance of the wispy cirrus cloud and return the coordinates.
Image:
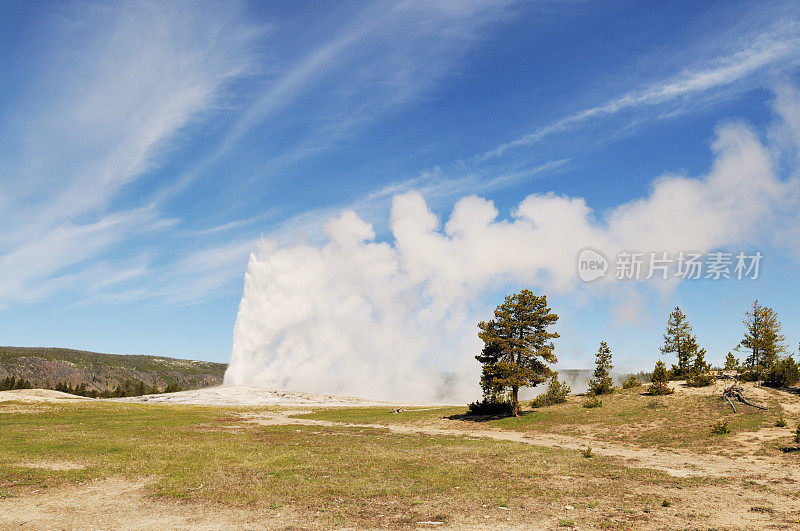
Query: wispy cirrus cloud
(127, 81)
(774, 50)
(348, 84)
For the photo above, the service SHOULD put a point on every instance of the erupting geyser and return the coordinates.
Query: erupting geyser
(391, 321)
(396, 321)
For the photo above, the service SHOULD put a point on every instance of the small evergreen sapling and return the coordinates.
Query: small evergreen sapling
(556, 393)
(602, 383)
(732, 363)
(700, 373)
(659, 385)
(631, 381)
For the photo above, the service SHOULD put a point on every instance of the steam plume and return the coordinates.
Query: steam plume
(396, 320)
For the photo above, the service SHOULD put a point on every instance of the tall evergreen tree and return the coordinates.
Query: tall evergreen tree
(762, 337)
(602, 383)
(677, 340)
(517, 345)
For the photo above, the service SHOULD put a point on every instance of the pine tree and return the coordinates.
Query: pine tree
(677, 341)
(602, 383)
(517, 346)
(700, 372)
(631, 381)
(763, 338)
(659, 384)
(557, 392)
(731, 362)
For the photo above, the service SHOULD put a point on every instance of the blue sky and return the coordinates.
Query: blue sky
(149, 146)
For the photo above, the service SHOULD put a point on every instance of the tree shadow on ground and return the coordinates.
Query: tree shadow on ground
(466, 417)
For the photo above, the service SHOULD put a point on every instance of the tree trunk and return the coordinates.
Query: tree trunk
(514, 401)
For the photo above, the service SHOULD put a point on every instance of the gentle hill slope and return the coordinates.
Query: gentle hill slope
(45, 367)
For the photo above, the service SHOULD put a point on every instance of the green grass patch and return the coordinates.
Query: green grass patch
(208, 455)
(672, 421)
(381, 415)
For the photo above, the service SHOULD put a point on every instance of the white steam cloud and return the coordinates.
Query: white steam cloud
(396, 320)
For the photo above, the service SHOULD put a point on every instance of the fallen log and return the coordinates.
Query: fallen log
(735, 391)
(727, 399)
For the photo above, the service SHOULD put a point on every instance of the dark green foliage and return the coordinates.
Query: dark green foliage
(797, 434)
(721, 428)
(762, 338)
(631, 381)
(732, 363)
(127, 388)
(700, 380)
(490, 408)
(517, 346)
(677, 340)
(587, 452)
(602, 383)
(659, 383)
(11, 382)
(749, 376)
(700, 372)
(592, 401)
(781, 422)
(784, 372)
(557, 392)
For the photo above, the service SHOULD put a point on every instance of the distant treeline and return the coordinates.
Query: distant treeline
(7, 384)
(127, 388)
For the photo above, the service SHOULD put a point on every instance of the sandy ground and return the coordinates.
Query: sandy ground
(233, 395)
(117, 503)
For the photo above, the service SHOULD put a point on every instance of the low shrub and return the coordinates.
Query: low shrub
(556, 393)
(749, 376)
(781, 422)
(659, 389)
(700, 379)
(592, 401)
(783, 373)
(797, 435)
(721, 428)
(587, 452)
(631, 382)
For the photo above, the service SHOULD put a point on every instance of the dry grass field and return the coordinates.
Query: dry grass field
(654, 463)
